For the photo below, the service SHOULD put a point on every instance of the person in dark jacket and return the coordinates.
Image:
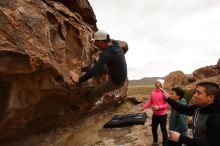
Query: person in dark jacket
(178, 122)
(112, 57)
(206, 116)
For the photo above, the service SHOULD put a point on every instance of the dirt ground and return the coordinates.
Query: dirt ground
(89, 131)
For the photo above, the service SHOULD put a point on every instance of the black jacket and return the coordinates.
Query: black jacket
(114, 58)
(206, 124)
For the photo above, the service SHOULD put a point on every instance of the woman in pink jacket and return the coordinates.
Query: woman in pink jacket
(159, 106)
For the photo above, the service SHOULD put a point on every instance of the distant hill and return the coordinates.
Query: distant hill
(149, 80)
(144, 81)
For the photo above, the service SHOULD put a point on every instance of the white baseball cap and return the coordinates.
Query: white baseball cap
(101, 35)
(161, 81)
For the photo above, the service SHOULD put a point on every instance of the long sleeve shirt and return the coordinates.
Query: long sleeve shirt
(157, 99)
(178, 122)
(206, 128)
(114, 58)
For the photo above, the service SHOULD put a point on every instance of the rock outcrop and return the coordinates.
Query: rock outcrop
(215, 79)
(176, 78)
(206, 72)
(44, 45)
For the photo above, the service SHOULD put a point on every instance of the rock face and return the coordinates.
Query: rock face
(176, 78)
(215, 79)
(89, 131)
(44, 45)
(206, 72)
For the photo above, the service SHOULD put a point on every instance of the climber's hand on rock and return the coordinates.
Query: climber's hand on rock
(74, 76)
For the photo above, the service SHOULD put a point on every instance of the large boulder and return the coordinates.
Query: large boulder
(44, 45)
(176, 78)
(192, 86)
(206, 72)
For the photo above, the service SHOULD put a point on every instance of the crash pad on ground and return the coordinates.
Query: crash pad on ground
(126, 120)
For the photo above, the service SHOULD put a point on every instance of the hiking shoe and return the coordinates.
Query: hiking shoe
(155, 144)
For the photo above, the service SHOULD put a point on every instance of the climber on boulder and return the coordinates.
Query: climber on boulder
(112, 57)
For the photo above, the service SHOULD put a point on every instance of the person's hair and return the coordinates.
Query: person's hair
(211, 89)
(179, 91)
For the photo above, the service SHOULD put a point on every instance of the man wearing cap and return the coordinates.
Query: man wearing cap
(206, 116)
(159, 106)
(113, 57)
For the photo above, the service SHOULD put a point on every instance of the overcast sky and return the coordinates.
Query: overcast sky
(163, 35)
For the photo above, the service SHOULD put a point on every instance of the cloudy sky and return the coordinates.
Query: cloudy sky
(163, 35)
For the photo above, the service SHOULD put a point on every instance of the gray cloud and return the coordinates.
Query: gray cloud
(163, 36)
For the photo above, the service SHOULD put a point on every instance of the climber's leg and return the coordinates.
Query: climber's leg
(105, 87)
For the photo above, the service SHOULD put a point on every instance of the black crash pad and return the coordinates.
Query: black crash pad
(126, 120)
